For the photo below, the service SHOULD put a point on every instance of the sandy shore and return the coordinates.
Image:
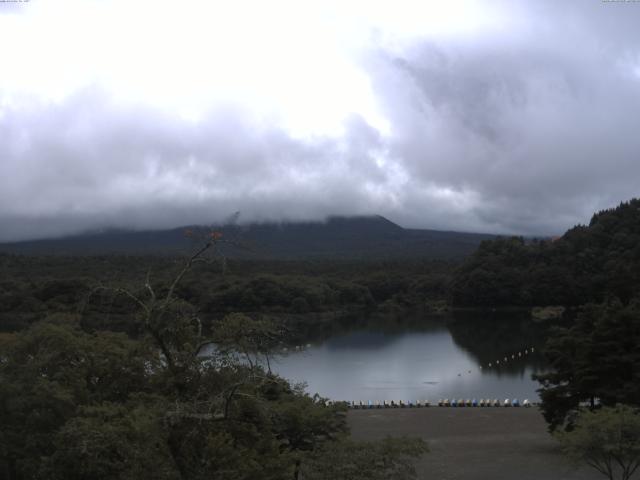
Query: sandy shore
(474, 443)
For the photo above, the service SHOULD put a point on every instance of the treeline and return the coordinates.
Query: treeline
(593, 354)
(78, 404)
(37, 287)
(596, 360)
(587, 264)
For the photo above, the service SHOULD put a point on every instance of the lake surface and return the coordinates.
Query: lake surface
(422, 360)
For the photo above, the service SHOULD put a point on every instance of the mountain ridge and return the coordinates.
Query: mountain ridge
(337, 237)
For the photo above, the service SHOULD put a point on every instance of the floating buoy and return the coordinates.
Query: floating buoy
(519, 354)
(513, 357)
(532, 350)
(505, 359)
(497, 362)
(489, 365)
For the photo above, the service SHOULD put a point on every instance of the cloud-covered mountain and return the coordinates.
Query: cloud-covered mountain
(373, 238)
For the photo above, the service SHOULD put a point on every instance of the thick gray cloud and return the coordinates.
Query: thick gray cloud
(89, 164)
(537, 127)
(525, 129)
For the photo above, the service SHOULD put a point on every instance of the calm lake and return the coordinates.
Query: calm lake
(421, 359)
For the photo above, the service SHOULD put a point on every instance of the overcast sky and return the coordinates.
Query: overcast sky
(489, 116)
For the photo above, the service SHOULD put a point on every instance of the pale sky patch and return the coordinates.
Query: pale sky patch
(502, 116)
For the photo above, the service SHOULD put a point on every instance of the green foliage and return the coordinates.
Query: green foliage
(305, 422)
(33, 288)
(607, 439)
(492, 275)
(51, 370)
(586, 264)
(596, 358)
(113, 440)
(254, 339)
(79, 403)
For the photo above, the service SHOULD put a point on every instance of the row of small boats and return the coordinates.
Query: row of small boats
(483, 402)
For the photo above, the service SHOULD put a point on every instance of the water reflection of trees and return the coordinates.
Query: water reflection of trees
(492, 335)
(312, 328)
(486, 335)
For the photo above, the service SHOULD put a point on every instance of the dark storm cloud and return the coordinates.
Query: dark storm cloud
(90, 164)
(538, 127)
(527, 129)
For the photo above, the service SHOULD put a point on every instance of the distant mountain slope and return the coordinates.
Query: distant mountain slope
(372, 237)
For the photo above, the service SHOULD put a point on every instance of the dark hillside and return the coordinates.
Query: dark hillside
(588, 263)
(339, 237)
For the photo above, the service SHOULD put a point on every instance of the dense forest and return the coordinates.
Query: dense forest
(101, 374)
(593, 352)
(587, 264)
(37, 287)
(79, 400)
(595, 361)
(84, 394)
